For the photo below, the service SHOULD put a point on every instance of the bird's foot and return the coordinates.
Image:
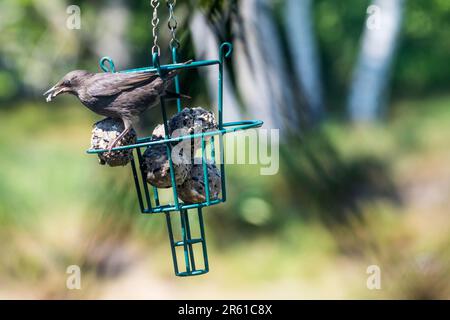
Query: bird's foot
(112, 145)
(119, 138)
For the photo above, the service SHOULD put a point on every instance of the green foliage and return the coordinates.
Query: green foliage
(423, 49)
(312, 225)
(339, 25)
(345, 195)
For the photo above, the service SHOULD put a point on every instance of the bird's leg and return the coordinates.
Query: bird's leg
(127, 124)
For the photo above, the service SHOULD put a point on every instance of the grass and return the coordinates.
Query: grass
(347, 197)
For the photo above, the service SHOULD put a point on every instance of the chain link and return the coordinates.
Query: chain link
(172, 24)
(155, 23)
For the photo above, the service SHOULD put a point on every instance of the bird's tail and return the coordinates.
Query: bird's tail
(168, 81)
(170, 95)
(173, 73)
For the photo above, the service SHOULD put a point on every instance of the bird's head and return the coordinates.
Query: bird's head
(70, 83)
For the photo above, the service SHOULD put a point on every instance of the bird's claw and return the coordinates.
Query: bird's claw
(112, 145)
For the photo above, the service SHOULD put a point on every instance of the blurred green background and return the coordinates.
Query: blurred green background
(349, 193)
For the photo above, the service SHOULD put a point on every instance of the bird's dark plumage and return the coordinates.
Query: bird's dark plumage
(115, 95)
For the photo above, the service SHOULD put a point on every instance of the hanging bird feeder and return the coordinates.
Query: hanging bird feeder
(148, 196)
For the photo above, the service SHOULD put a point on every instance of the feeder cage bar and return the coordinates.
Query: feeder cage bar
(136, 182)
(143, 170)
(187, 242)
(177, 80)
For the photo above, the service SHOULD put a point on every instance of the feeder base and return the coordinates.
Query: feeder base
(191, 263)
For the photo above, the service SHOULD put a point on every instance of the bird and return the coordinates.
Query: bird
(122, 95)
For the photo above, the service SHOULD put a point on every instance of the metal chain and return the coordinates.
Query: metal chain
(173, 24)
(155, 22)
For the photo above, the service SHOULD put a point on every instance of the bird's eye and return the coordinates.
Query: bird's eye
(66, 83)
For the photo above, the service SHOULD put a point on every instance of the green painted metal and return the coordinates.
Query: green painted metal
(228, 127)
(177, 80)
(148, 198)
(111, 68)
(187, 243)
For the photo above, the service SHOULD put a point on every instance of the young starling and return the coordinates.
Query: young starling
(116, 95)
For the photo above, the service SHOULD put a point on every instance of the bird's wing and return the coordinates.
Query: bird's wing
(110, 84)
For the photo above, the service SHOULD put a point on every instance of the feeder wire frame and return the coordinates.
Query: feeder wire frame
(139, 172)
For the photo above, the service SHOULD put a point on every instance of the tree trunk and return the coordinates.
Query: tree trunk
(261, 71)
(112, 25)
(371, 77)
(206, 46)
(303, 49)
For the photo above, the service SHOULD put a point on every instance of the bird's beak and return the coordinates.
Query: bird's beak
(54, 91)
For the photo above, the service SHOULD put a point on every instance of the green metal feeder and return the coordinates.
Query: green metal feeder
(149, 200)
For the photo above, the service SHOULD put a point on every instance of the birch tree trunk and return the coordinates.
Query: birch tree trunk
(261, 70)
(112, 24)
(303, 49)
(206, 46)
(371, 77)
